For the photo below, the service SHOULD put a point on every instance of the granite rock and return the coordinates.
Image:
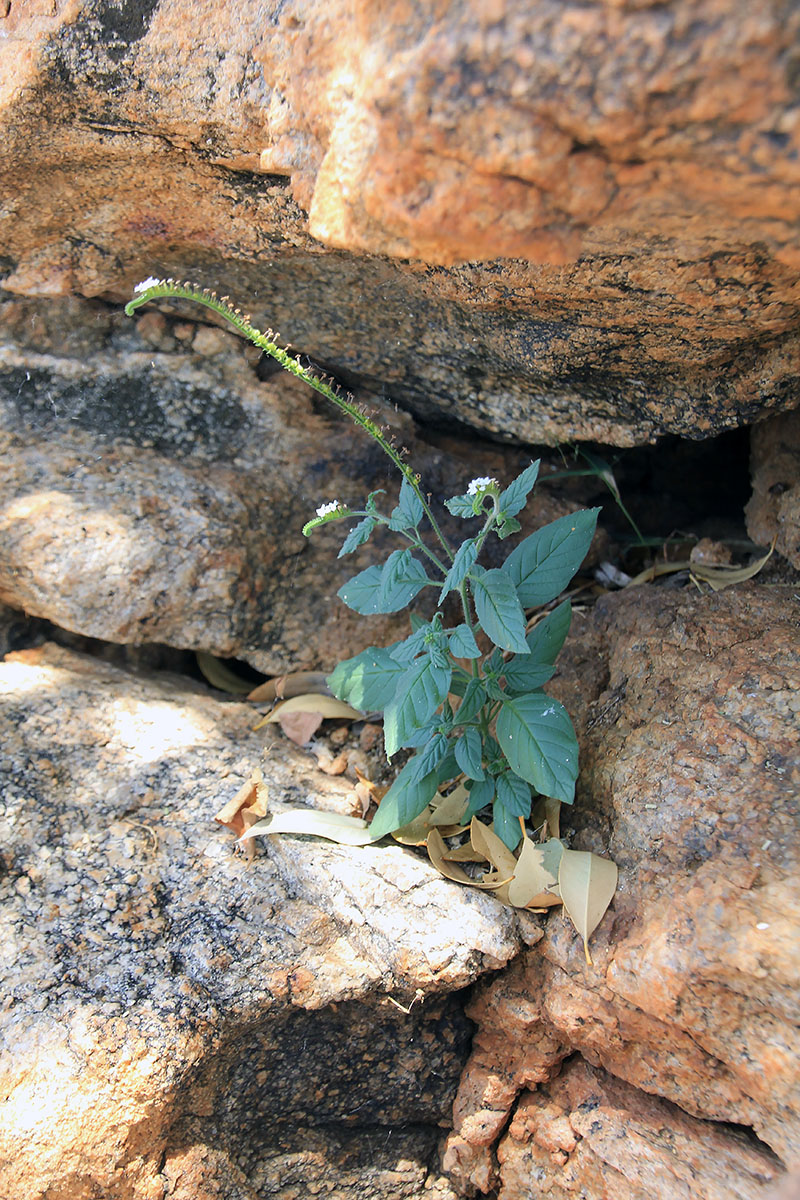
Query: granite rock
(687, 711)
(174, 1017)
(616, 185)
(773, 512)
(151, 492)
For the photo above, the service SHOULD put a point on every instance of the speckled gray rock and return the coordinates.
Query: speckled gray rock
(175, 1015)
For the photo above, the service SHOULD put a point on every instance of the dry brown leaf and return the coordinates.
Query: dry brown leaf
(300, 727)
(587, 884)
(536, 874)
(486, 842)
(415, 833)
(552, 810)
(448, 810)
(250, 804)
(437, 851)
(299, 683)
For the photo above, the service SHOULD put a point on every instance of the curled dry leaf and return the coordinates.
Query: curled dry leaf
(347, 831)
(246, 808)
(300, 683)
(220, 676)
(587, 884)
(301, 716)
(486, 842)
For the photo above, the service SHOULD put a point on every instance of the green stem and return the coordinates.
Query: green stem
(168, 288)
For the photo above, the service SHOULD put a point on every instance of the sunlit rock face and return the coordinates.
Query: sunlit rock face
(548, 222)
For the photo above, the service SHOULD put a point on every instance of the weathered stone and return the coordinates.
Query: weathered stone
(175, 1016)
(155, 495)
(588, 1134)
(687, 707)
(773, 512)
(618, 181)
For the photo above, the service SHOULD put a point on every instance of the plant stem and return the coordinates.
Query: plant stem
(168, 288)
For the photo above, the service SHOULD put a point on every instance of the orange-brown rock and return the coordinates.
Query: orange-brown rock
(688, 706)
(586, 1133)
(619, 182)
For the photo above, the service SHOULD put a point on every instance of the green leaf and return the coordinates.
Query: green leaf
(385, 589)
(537, 738)
(542, 565)
(405, 800)
(523, 676)
(368, 681)
(473, 701)
(548, 635)
(506, 825)
(507, 526)
(461, 506)
(468, 750)
(420, 690)
(357, 536)
(515, 497)
(480, 794)
(514, 794)
(409, 510)
(465, 557)
(432, 755)
(462, 642)
(499, 610)
(414, 644)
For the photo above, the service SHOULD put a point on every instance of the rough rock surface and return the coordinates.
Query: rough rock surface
(619, 183)
(773, 512)
(590, 1134)
(176, 1018)
(154, 489)
(687, 707)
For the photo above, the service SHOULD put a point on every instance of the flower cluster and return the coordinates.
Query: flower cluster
(325, 510)
(481, 484)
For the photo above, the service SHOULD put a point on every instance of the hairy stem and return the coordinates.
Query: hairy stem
(157, 289)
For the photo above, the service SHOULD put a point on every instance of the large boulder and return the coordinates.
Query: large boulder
(687, 708)
(176, 1020)
(616, 182)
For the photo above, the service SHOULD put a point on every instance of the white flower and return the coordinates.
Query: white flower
(147, 283)
(481, 484)
(325, 509)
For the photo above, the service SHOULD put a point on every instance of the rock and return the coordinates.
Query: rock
(616, 184)
(686, 707)
(176, 1019)
(159, 496)
(773, 512)
(588, 1134)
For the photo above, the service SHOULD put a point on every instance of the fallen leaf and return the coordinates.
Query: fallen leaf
(299, 727)
(587, 884)
(486, 842)
(437, 851)
(415, 833)
(552, 809)
(301, 716)
(336, 827)
(536, 874)
(220, 676)
(299, 683)
(249, 805)
(448, 810)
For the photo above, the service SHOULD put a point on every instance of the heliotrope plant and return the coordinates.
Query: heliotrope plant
(463, 693)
